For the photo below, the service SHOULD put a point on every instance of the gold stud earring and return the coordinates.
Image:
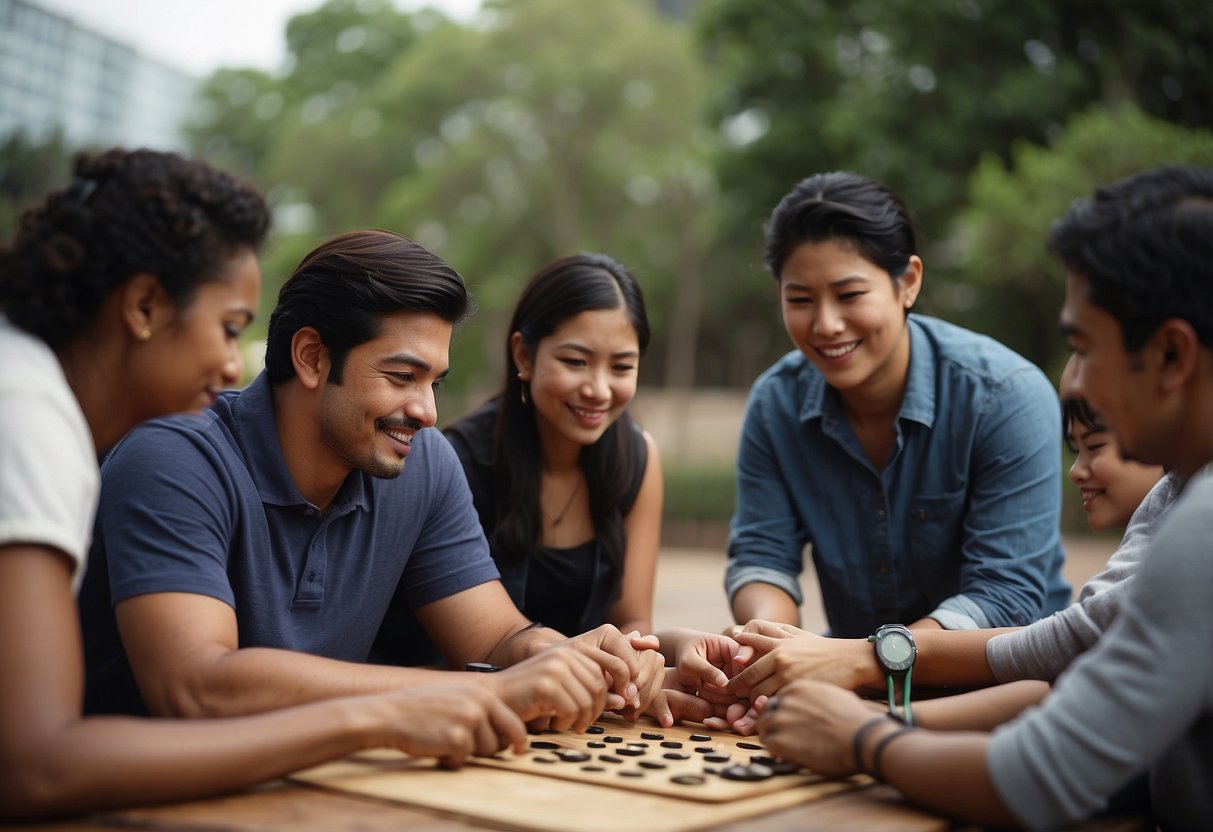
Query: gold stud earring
(145, 334)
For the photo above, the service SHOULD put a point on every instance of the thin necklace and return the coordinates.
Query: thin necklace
(559, 517)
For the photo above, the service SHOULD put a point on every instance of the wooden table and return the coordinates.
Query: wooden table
(290, 805)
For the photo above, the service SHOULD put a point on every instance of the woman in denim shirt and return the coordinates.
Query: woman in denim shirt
(920, 460)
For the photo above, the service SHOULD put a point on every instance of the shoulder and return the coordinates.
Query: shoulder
(969, 363)
(785, 384)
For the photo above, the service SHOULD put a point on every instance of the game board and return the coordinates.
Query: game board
(560, 797)
(682, 761)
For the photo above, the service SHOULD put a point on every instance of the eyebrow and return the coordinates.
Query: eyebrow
(570, 345)
(842, 281)
(414, 362)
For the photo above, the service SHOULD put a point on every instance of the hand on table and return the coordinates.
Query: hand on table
(814, 723)
(450, 722)
(560, 687)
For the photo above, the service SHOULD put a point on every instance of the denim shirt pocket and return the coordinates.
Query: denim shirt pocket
(936, 525)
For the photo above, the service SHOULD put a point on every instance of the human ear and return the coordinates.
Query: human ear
(911, 281)
(1178, 347)
(145, 305)
(310, 357)
(521, 356)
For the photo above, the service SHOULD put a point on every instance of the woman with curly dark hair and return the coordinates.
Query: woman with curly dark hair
(122, 298)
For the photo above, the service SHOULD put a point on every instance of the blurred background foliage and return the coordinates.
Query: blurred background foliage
(663, 132)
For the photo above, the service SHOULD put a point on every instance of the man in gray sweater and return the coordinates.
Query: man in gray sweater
(1139, 316)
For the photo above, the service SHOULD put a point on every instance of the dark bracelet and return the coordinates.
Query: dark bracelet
(857, 741)
(880, 747)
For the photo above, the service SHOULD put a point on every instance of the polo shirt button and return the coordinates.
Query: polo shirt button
(311, 577)
(883, 569)
(309, 511)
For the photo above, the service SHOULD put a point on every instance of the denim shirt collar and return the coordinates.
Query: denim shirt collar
(251, 416)
(917, 405)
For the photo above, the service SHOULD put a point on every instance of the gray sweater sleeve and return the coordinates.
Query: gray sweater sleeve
(1045, 648)
(1141, 699)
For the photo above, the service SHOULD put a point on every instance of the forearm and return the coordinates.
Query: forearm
(944, 772)
(256, 679)
(953, 657)
(979, 710)
(101, 762)
(765, 601)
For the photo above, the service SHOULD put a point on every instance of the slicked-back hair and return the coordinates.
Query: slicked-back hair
(845, 208)
(1145, 246)
(559, 291)
(345, 287)
(125, 213)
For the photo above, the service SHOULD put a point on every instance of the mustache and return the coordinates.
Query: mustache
(400, 424)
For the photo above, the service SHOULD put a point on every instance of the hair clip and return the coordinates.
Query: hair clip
(81, 190)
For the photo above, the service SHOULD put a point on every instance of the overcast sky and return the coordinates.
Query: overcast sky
(199, 36)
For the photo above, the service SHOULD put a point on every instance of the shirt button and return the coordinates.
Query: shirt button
(311, 577)
(309, 511)
(883, 569)
(880, 511)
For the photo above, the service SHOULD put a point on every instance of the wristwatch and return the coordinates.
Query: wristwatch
(896, 651)
(482, 667)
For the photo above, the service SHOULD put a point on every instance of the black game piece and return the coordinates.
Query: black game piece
(716, 758)
(607, 758)
(627, 772)
(704, 749)
(573, 756)
(700, 738)
(592, 768)
(748, 773)
(651, 764)
(630, 751)
(676, 755)
(649, 735)
(595, 729)
(544, 745)
(612, 739)
(688, 780)
(543, 759)
(596, 744)
(750, 746)
(671, 744)
(710, 770)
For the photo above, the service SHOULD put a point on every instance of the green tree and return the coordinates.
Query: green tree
(1003, 230)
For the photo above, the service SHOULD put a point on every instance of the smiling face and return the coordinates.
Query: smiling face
(581, 377)
(194, 355)
(846, 315)
(1112, 487)
(386, 394)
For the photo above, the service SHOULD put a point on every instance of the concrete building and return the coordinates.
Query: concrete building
(58, 75)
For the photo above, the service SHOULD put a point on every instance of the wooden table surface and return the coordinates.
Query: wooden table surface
(290, 805)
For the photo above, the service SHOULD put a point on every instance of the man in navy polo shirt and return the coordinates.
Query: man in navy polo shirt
(244, 557)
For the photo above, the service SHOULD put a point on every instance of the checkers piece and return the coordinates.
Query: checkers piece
(716, 758)
(592, 768)
(595, 729)
(651, 764)
(573, 756)
(610, 758)
(700, 738)
(630, 751)
(688, 780)
(650, 735)
(748, 774)
(544, 745)
(612, 739)
(705, 749)
(671, 744)
(750, 746)
(628, 772)
(676, 755)
(595, 744)
(544, 759)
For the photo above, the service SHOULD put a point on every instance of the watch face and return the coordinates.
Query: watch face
(896, 648)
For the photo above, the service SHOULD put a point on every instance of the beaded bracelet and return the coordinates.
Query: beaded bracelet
(857, 741)
(880, 747)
